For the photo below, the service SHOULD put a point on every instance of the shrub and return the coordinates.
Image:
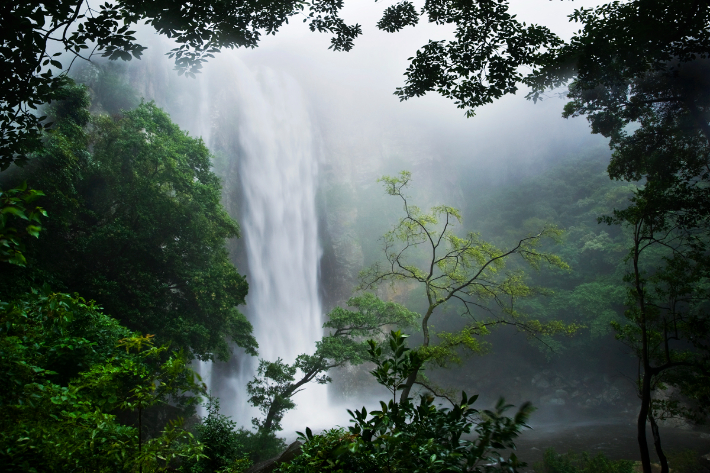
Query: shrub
(259, 446)
(685, 461)
(572, 463)
(403, 436)
(224, 451)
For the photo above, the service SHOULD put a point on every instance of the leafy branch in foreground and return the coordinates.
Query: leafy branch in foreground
(14, 207)
(276, 382)
(402, 436)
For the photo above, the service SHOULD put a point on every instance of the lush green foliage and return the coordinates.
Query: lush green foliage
(572, 195)
(14, 207)
(275, 382)
(67, 370)
(322, 452)
(640, 77)
(571, 463)
(223, 450)
(619, 43)
(136, 224)
(403, 436)
(422, 248)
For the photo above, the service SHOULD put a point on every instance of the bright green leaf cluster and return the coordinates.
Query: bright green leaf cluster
(402, 436)
(67, 378)
(14, 206)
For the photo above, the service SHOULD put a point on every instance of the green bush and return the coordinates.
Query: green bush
(405, 437)
(222, 447)
(324, 452)
(685, 461)
(228, 449)
(260, 446)
(66, 371)
(572, 463)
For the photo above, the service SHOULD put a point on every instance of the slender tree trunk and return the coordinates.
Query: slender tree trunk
(645, 362)
(657, 444)
(641, 423)
(271, 415)
(425, 343)
(409, 383)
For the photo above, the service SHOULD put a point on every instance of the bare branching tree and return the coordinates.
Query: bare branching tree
(423, 248)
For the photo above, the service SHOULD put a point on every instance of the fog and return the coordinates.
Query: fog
(342, 105)
(352, 93)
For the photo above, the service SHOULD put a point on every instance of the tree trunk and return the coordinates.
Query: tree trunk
(425, 343)
(409, 383)
(645, 362)
(641, 424)
(657, 444)
(273, 410)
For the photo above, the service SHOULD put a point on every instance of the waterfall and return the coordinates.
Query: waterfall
(278, 171)
(260, 122)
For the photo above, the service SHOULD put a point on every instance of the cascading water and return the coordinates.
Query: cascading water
(260, 121)
(278, 174)
(259, 125)
(278, 169)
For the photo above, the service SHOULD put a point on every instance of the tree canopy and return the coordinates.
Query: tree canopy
(479, 65)
(136, 224)
(68, 373)
(620, 42)
(639, 73)
(36, 34)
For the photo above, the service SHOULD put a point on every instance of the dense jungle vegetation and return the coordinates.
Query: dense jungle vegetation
(114, 274)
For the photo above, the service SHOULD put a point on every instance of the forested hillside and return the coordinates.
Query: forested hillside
(571, 280)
